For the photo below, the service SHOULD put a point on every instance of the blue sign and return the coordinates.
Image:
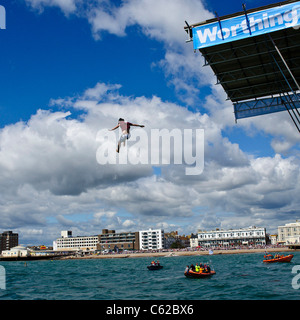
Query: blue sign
(254, 24)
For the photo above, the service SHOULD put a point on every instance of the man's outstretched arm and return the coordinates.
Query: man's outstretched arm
(117, 126)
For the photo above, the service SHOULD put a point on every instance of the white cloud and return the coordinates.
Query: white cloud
(48, 169)
(162, 20)
(67, 6)
(128, 223)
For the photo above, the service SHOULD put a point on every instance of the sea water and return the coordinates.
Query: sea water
(238, 277)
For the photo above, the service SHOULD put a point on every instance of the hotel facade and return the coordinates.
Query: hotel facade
(289, 233)
(69, 243)
(232, 237)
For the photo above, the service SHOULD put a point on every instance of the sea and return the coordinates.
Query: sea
(238, 277)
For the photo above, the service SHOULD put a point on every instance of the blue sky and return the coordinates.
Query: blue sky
(70, 68)
(46, 55)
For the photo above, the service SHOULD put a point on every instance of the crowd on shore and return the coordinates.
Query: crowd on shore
(199, 249)
(181, 252)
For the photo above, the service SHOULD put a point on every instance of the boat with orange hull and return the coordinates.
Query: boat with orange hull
(278, 258)
(194, 274)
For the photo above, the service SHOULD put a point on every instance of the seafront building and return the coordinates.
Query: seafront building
(69, 243)
(194, 241)
(110, 240)
(16, 252)
(107, 241)
(151, 239)
(8, 240)
(232, 237)
(273, 238)
(289, 233)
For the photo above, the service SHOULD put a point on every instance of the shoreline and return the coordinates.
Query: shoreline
(177, 253)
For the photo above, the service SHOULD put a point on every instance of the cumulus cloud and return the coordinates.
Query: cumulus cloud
(67, 6)
(49, 172)
(162, 20)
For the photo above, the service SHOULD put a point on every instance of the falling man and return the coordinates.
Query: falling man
(125, 126)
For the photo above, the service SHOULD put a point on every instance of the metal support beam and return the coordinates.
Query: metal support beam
(287, 67)
(257, 107)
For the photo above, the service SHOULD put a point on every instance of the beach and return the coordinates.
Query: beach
(179, 253)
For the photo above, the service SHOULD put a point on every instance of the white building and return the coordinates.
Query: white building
(232, 237)
(289, 233)
(273, 238)
(194, 241)
(69, 243)
(151, 239)
(18, 251)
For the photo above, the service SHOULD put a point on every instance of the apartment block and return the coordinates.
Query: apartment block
(152, 239)
(8, 240)
(110, 240)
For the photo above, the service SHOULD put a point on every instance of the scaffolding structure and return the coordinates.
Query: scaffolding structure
(255, 56)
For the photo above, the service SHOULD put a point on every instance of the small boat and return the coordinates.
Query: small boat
(278, 258)
(194, 274)
(155, 267)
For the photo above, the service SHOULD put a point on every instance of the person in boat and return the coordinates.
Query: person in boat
(201, 269)
(187, 269)
(206, 268)
(157, 263)
(153, 263)
(192, 267)
(269, 256)
(197, 268)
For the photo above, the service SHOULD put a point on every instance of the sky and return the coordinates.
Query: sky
(71, 68)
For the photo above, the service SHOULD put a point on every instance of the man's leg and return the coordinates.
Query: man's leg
(118, 148)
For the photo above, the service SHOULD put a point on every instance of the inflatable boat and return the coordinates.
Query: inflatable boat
(193, 274)
(269, 258)
(154, 267)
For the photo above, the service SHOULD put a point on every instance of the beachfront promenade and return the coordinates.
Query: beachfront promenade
(181, 252)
